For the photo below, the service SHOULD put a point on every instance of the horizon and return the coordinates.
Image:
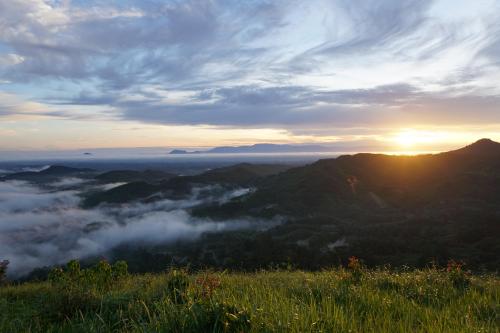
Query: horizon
(404, 76)
(53, 157)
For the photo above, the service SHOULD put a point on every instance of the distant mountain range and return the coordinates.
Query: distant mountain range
(260, 148)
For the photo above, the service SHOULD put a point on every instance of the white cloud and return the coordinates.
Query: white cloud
(10, 59)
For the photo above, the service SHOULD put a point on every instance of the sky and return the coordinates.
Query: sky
(409, 74)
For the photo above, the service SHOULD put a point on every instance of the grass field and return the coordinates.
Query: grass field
(337, 300)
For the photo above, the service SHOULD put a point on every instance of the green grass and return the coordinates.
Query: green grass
(269, 301)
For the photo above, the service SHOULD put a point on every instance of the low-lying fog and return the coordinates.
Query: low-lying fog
(45, 226)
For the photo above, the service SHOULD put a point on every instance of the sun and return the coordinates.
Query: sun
(408, 138)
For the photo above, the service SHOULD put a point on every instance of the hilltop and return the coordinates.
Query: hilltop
(377, 181)
(481, 147)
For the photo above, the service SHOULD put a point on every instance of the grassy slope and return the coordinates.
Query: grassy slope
(328, 301)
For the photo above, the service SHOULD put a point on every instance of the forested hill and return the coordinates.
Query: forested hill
(375, 181)
(401, 210)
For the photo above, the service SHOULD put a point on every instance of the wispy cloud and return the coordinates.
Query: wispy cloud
(263, 64)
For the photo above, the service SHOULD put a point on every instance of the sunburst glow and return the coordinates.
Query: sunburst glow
(414, 138)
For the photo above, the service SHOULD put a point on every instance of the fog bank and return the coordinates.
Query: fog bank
(47, 227)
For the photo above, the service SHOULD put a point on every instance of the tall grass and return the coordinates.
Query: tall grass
(336, 300)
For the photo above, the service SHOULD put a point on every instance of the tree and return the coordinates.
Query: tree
(3, 270)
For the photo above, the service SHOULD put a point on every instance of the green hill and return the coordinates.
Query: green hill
(401, 210)
(375, 181)
(146, 184)
(120, 194)
(398, 210)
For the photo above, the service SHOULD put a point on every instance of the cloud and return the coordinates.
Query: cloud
(260, 64)
(10, 59)
(20, 197)
(373, 25)
(131, 44)
(35, 168)
(298, 107)
(70, 182)
(46, 227)
(13, 105)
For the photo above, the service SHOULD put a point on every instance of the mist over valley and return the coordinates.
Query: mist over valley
(397, 209)
(43, 223)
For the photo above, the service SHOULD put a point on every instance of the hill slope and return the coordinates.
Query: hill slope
(401, 210)
(287, 301)
(239, 175)
(375, 181)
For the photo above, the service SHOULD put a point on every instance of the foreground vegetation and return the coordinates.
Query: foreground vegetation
(106, 298)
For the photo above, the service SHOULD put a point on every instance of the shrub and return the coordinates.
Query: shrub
(457, 276)
(120, 269)
(220, 317)
(80, 290)
(177, 285)
(100, 277)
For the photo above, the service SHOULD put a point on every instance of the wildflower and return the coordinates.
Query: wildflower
(207, 284)
(356, 268)
(354, 263)
(454, 266)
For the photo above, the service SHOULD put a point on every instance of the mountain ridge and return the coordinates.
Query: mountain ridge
(399, 181)
(259, 148)
(52, 171)
(482, 146)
